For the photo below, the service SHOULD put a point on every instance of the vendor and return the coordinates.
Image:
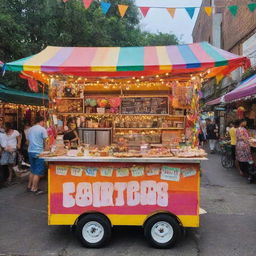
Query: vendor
(71, 138)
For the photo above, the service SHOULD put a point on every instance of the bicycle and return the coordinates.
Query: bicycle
(227, 159)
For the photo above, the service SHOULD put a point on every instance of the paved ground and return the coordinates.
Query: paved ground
(228, 228)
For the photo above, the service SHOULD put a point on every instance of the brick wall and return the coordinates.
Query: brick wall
(235, 30)
(203, 28)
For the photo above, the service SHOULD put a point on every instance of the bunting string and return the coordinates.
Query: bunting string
(233, 9)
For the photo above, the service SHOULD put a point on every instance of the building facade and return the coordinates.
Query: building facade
(236, 34)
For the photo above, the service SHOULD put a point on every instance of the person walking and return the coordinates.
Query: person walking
(243, 149)
(37, 136)
(12, 145)
(212, 135)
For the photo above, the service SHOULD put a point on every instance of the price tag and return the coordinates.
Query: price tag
(61, 170)
(170, 173)
(153, 170)
(91, 171)
(122, 172)
(137, 171)
(76, 171)
(188, 172)
(106, 171)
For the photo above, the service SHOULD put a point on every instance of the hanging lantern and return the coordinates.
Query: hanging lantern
(240, 112)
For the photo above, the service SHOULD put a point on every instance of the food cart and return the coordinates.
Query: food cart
(136, 110)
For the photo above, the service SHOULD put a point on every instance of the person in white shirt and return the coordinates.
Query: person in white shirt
(11, 140)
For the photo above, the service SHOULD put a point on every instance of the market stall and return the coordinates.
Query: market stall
(17, 106)
(136, 110)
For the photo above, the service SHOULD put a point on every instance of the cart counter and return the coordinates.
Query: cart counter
(126, 190)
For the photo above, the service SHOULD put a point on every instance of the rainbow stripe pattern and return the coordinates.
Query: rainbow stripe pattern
(174, 59)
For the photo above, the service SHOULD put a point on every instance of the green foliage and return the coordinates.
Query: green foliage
(28, 26)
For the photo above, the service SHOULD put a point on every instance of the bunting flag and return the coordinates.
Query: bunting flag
(122, 9)
(252, 7)
(144, 10)
(171, 11)
(208, 10)
(190, 11)
(87, 3)
(105, 7)
(233, 9)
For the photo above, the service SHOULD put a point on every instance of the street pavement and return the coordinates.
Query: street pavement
(228, 228)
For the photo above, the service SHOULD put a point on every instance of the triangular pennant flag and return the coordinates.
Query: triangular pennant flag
(105, 7)
(208, 10)
(144, 10)
(87, 3)
(122, 9)
(190, 11)
(233, 9)
(252, 7)
(171, 11)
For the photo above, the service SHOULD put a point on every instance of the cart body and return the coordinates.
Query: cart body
(126, 191)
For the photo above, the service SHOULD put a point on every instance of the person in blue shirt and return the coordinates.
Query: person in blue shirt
(37, 136)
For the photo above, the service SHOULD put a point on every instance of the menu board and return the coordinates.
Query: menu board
(144, 105)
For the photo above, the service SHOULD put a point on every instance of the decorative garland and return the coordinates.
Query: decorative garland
(105, 6)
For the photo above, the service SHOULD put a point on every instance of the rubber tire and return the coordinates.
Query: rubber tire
(177, 231)
(100, 219)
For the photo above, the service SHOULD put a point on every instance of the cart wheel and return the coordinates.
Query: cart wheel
(162, 231)
(93, 230)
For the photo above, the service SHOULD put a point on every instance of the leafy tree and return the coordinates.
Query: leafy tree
(28, 26)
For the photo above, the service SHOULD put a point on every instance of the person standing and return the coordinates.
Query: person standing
(243, 149)
(212, 134)
(2, 125)
(202, 133)
(71, 137)
(37, 136)
(12, 144)
(232, 135)
(24, 141)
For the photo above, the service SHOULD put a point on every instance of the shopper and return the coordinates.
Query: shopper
(24, 141)
(202, 133)
(12, 145)
(232, 135)
(37, 136)
(2, 125)
(212, 135)
(243, 150)
(3, 169)
(71, 138)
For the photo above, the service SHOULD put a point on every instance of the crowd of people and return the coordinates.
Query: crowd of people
(19, 149)
(239, 137)
(22, 148)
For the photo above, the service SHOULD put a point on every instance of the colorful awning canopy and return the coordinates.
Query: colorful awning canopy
(127, 61)
(246, 89)
(215, 101)
(10, 95)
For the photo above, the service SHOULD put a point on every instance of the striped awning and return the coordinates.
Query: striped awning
(215, 101)
(124, 61)
(246, 88)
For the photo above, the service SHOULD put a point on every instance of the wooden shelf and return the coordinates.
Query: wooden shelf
(169, 128)
(70, 98)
